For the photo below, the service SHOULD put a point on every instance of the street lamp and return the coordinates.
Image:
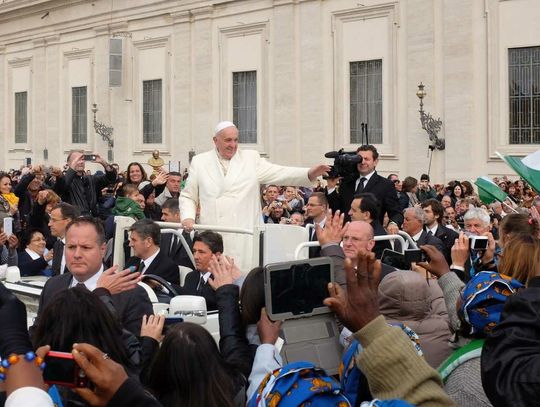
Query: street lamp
(105, 132)
(429, 124)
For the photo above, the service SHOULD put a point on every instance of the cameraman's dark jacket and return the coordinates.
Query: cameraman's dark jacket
(383, 189)
(83, 191)
(511, 354)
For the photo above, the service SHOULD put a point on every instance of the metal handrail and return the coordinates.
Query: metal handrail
(215, 228)
(302, 246)
(391, 237)
(412, 243)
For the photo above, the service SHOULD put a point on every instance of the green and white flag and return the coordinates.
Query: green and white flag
(489, 191)
(528, 168)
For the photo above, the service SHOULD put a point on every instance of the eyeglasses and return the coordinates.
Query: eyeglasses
(396, 181)
(57, 220)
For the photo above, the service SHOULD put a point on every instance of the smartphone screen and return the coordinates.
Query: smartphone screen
(89, 157)
(8, 226)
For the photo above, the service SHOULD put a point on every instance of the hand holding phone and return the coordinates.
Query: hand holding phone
(89, 157)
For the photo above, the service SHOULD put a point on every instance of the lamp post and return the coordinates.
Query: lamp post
(429, 124)
(105, 132)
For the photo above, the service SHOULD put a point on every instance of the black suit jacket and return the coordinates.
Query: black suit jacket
(161, 266)
(130, 305)
(448, 238)
(425, 238)
(58, 252)
(179, 256)
(190, 288)
(428, 238)
(379, 247)
(384, 191)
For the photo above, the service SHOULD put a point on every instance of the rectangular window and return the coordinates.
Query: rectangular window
(21, 117)
(366, 102)
(152, 112)
(79, 121)
(245, 105)
(524, 95)
(115, 62)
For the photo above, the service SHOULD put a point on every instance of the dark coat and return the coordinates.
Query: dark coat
(25, 198)
(511, 356)
(190, 288)
(161, 266)
(425, 238)
(179, 255)
(83, 191)
(428, 238)
(130, 305)
(448, 237)
(379, 247)
(30, 267)
(383, 189)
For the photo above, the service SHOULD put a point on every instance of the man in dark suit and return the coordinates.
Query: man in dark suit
(145, 240)
(84, 251)
(367, 180)
(170, 212)
(413, 224)
(366, 207)
(61, 215)
(434, 215)
(205, 245)
(316, 208)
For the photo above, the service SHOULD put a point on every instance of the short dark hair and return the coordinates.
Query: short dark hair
(96, 223)
(369, 203)
(436, 207)
(171, 204)
(424, 177)
(321, 197)
(68, 211)
(147, 228)
(175, 174)
(212, 239)
(369, 147)
(391, 175)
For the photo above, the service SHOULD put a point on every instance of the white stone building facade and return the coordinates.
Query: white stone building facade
(180, 66)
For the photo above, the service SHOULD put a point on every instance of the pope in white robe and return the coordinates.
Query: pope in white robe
(225, 184)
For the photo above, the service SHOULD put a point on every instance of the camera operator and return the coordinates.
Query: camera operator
(366, 179)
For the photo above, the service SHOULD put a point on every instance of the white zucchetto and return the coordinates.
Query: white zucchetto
(223, 125)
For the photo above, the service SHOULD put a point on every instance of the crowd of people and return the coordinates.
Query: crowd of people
(458, 326)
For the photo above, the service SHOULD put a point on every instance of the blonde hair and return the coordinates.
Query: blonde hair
(520, 258)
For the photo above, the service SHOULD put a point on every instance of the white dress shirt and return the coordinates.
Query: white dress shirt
(91, 283)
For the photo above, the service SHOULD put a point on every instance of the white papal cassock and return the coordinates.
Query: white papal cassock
(234, 199)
